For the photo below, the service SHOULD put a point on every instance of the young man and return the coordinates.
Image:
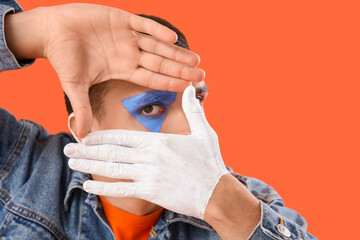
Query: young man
(167, 185)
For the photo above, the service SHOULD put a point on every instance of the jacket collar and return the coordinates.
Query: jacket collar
(166, 218)
(76, 182)
(172, 217)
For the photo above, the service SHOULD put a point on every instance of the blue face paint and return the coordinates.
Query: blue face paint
(137, 103)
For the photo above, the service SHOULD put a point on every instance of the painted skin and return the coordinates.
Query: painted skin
(150, 108)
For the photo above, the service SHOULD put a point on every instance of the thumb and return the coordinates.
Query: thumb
(79, 99)
(194, 112)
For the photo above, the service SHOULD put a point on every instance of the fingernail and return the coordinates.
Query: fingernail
(68, 150)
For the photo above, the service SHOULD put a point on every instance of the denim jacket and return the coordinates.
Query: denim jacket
(42, 198)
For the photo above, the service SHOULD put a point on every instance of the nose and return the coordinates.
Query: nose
(176, 122)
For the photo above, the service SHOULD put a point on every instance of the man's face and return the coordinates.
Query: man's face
(133, 107)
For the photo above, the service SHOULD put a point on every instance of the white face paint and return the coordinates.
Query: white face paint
(142, 106)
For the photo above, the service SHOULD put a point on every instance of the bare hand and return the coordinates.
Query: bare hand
(88, 44)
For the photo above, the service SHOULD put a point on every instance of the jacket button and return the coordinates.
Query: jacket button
(282, 229)
(153, 233)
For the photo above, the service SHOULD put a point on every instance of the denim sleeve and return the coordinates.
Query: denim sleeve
(277, 221)
(7, 58)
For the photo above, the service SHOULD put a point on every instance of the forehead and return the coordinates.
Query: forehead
(123, 89)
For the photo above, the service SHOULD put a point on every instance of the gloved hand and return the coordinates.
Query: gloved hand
(177, 172)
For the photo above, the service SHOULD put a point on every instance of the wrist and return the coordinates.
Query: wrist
(232, 210)
(24, 33)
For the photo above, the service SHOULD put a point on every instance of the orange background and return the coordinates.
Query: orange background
(284, 95)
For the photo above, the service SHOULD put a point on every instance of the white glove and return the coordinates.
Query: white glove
(177, 172)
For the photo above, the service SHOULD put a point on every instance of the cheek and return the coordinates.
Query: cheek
(175, 121)
(119, 118)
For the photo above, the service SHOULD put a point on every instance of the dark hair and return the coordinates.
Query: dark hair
(98, 91)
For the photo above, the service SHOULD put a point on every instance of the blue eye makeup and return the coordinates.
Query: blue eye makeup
(150, 108)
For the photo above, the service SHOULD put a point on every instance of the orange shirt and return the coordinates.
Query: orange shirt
(127, 226)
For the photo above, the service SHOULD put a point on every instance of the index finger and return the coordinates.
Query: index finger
(194, 113)
(126, 138)
(153, 28)
(167, 50)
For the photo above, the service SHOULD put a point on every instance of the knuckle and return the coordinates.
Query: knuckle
(91, 167)
(139, 42)
(177, 53)
(119, 190)
(100, 188)
(114, 171)
(155, 46)
(142, 59)
(118, 154)
(162, 65)
(182, 72)
(81, 150)
(126, 140)
(158, 28)
(113, 153)
(169, 83)
(151, 80)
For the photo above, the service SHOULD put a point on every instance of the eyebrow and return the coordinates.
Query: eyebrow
(152, 96)
(203, 88)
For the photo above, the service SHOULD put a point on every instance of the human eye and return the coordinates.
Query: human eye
(152, 110)
(201, 97)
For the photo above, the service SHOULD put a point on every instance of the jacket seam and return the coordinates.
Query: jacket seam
(7, 220)
(81, 217)
(188, 221)
(302, 234)
(17, 150)
(58, 233)
(268, 198)
(242, 179)
(11, 206)
(9, 10)
(265, 230)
